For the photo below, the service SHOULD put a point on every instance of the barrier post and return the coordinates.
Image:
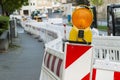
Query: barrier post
(52, 66)
(64, 31)
(64, 39)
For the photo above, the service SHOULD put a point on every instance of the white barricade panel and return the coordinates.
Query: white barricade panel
(55, 20)
(52, 67)
(108, 41)
(77, 62)
(26, 27)
(107, 58)
(106, 64)
(101, 74)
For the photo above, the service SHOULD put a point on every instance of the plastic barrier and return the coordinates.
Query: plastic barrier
(19, 17)
(55, 20)
(52, 65)
(100, 74)
(53, 53)
(105, 64)
(103, 68)
(61, 66)
(106, 58)
(60, 29)
(78, 60)
(45, 28)
(54, 49)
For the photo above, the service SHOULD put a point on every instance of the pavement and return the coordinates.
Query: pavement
(23, 60)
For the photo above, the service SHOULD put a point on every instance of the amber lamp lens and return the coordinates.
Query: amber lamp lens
(82, 18)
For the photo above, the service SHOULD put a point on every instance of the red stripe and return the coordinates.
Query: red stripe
(87, 77)
(53, 63)
(48, 60)
(116, 76)
(58, 67)
(64, 31)
(74, 52)
(94, 74)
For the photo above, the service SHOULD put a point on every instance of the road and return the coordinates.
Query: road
(24, 61)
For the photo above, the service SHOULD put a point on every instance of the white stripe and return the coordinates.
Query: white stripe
(51, 59)
(80, 68)
(47, 55)
(104, 75)
(61, 70)
(56, 64)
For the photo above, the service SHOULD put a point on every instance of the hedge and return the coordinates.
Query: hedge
(4, 21)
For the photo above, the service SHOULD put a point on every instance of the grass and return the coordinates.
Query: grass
(102, 28)
(69, 23)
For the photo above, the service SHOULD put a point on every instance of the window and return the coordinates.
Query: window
(25, 12)
(33, 4)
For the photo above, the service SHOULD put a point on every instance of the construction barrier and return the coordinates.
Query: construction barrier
(105, 64)
(52, 65)
(77, 62)
(106, 58)
(55, 20)
(62, 65)
(43, 29)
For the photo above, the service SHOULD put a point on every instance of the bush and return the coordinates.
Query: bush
(4, 21)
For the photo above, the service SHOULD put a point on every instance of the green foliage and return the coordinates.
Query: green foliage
(4, 21)
(4, 18)
(11, 5)
(102, 28)
(97, 2)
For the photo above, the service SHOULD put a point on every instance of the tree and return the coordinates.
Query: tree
(8, 6)
(97, 2)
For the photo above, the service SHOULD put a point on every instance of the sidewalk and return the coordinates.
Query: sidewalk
(23, 62)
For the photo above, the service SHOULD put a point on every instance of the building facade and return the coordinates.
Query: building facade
(102, 10)
(38, 4)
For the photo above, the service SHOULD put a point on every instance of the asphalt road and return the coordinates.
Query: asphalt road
(23, 61)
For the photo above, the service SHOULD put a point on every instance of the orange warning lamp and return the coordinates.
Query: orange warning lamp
(82, 18)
